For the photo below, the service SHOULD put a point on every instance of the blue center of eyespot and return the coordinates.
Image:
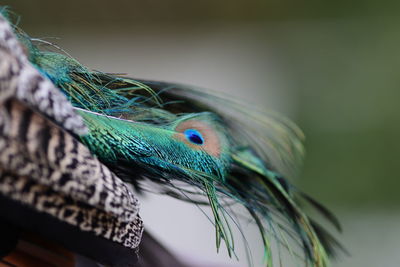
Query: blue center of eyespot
(194, 136)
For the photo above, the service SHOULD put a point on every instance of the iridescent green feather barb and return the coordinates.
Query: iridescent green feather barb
(197, 147)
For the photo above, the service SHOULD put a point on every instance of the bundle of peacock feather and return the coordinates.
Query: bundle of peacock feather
(79, 136)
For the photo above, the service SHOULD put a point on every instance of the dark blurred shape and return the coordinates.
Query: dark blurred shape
(9, 235)
(153, 254)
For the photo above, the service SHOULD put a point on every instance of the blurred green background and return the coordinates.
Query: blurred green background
(331, 66)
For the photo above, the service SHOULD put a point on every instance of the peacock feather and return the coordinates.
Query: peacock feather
(197, 146)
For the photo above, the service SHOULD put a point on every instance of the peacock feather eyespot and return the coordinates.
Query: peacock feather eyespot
(194, 136)
(199, 135)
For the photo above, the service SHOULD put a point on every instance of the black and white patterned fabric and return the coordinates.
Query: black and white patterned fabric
(45, 170)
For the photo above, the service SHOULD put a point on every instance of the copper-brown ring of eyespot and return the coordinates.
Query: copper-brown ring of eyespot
(211, 144)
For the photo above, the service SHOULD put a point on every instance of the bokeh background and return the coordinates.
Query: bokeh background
(331, 66)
